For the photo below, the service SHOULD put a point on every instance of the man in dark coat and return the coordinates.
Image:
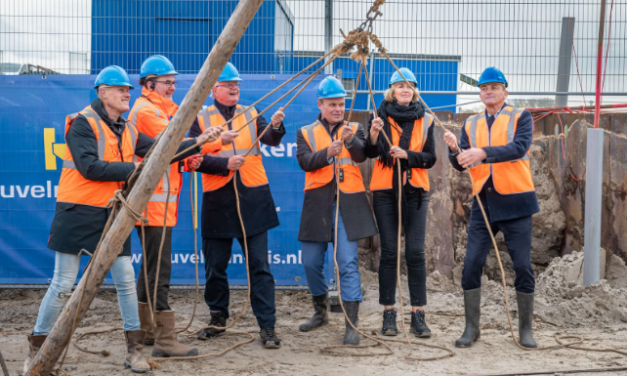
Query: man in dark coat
(220, 218)
(328, 149)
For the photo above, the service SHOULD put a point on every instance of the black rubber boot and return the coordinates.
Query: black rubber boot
(351, 337)
(419, 325)
(389, 322)
(320, 316)
(216, 320)
(472, 307)
(525, 318)
(269, 338)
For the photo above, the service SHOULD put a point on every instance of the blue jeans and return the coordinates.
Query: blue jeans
(347, 260)
(65, 272)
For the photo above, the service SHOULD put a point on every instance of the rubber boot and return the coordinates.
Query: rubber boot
(145, 318)
(525, 318)
(320, 316)
(34, 344)
(166, 344)
(472, 307)
(351, 337)
(134, 357)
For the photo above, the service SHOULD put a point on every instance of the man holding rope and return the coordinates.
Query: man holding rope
(495, 146)
(220, 216)
(151, 115)
(101, 150)
(325, 148)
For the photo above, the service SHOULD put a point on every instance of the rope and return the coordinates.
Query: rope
(192, 190)
(307, 82)
(252, 338)
(117, 201)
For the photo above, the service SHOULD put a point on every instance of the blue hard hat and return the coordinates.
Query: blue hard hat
(492, 74)
(229, 73)
(158, 65)
(396, 77)
(113, 76)
(331, 87)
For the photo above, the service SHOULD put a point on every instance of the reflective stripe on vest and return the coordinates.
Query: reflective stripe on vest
(76, 189)
(418, 177)
(511, 128)
(252, 172)
(152, 121)
(318, 138)
(510, 177)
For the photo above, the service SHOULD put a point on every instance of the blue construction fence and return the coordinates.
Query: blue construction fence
(32, 123)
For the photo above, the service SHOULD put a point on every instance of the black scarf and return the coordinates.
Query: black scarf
(404, 116)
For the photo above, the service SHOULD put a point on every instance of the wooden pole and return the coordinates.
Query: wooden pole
(145, 185)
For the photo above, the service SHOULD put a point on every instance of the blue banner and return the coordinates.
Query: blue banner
(32, 124)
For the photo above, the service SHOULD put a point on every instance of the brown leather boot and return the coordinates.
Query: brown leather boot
(35, 343)
(166, 344)
(146, 323)
(134, 357)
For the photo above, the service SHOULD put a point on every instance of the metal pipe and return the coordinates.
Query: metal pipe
(563, 65)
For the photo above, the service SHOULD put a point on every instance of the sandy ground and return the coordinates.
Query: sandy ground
(599, 314)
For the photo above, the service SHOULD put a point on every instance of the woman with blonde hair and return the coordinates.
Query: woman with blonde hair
(402, 117)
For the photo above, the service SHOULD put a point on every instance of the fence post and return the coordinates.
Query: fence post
(563, 65)
(328, 33)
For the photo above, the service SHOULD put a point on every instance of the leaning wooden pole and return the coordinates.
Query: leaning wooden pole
(156, 166)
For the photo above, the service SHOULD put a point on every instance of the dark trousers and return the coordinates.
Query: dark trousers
(217, 254)
(152, 242)
(385, 210)
(517, 233)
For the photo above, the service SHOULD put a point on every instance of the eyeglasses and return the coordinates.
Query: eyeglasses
(230, 85)
(168, 84)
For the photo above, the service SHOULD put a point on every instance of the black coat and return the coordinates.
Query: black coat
(318, 216)
(76, 226)
(219, 218)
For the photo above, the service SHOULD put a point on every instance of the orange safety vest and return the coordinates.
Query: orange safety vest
(73, 187)
(418, 177)
(151, 114)
(318, 138)
(252, 172)
(509, 177)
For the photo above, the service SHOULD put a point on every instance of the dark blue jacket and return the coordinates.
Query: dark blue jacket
(500, 207)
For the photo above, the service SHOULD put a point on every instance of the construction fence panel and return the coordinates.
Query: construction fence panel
(543, 47)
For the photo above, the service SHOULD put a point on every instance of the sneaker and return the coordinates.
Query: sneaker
(269, 338)
(389, 322)
(216, 320)
(419, 326)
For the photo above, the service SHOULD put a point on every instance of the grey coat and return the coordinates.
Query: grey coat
(318, 216)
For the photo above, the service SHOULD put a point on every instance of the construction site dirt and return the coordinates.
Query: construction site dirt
(563, 307)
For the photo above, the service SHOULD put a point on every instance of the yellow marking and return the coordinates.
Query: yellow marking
(51, 149)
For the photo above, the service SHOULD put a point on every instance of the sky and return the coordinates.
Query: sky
(520, 37)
